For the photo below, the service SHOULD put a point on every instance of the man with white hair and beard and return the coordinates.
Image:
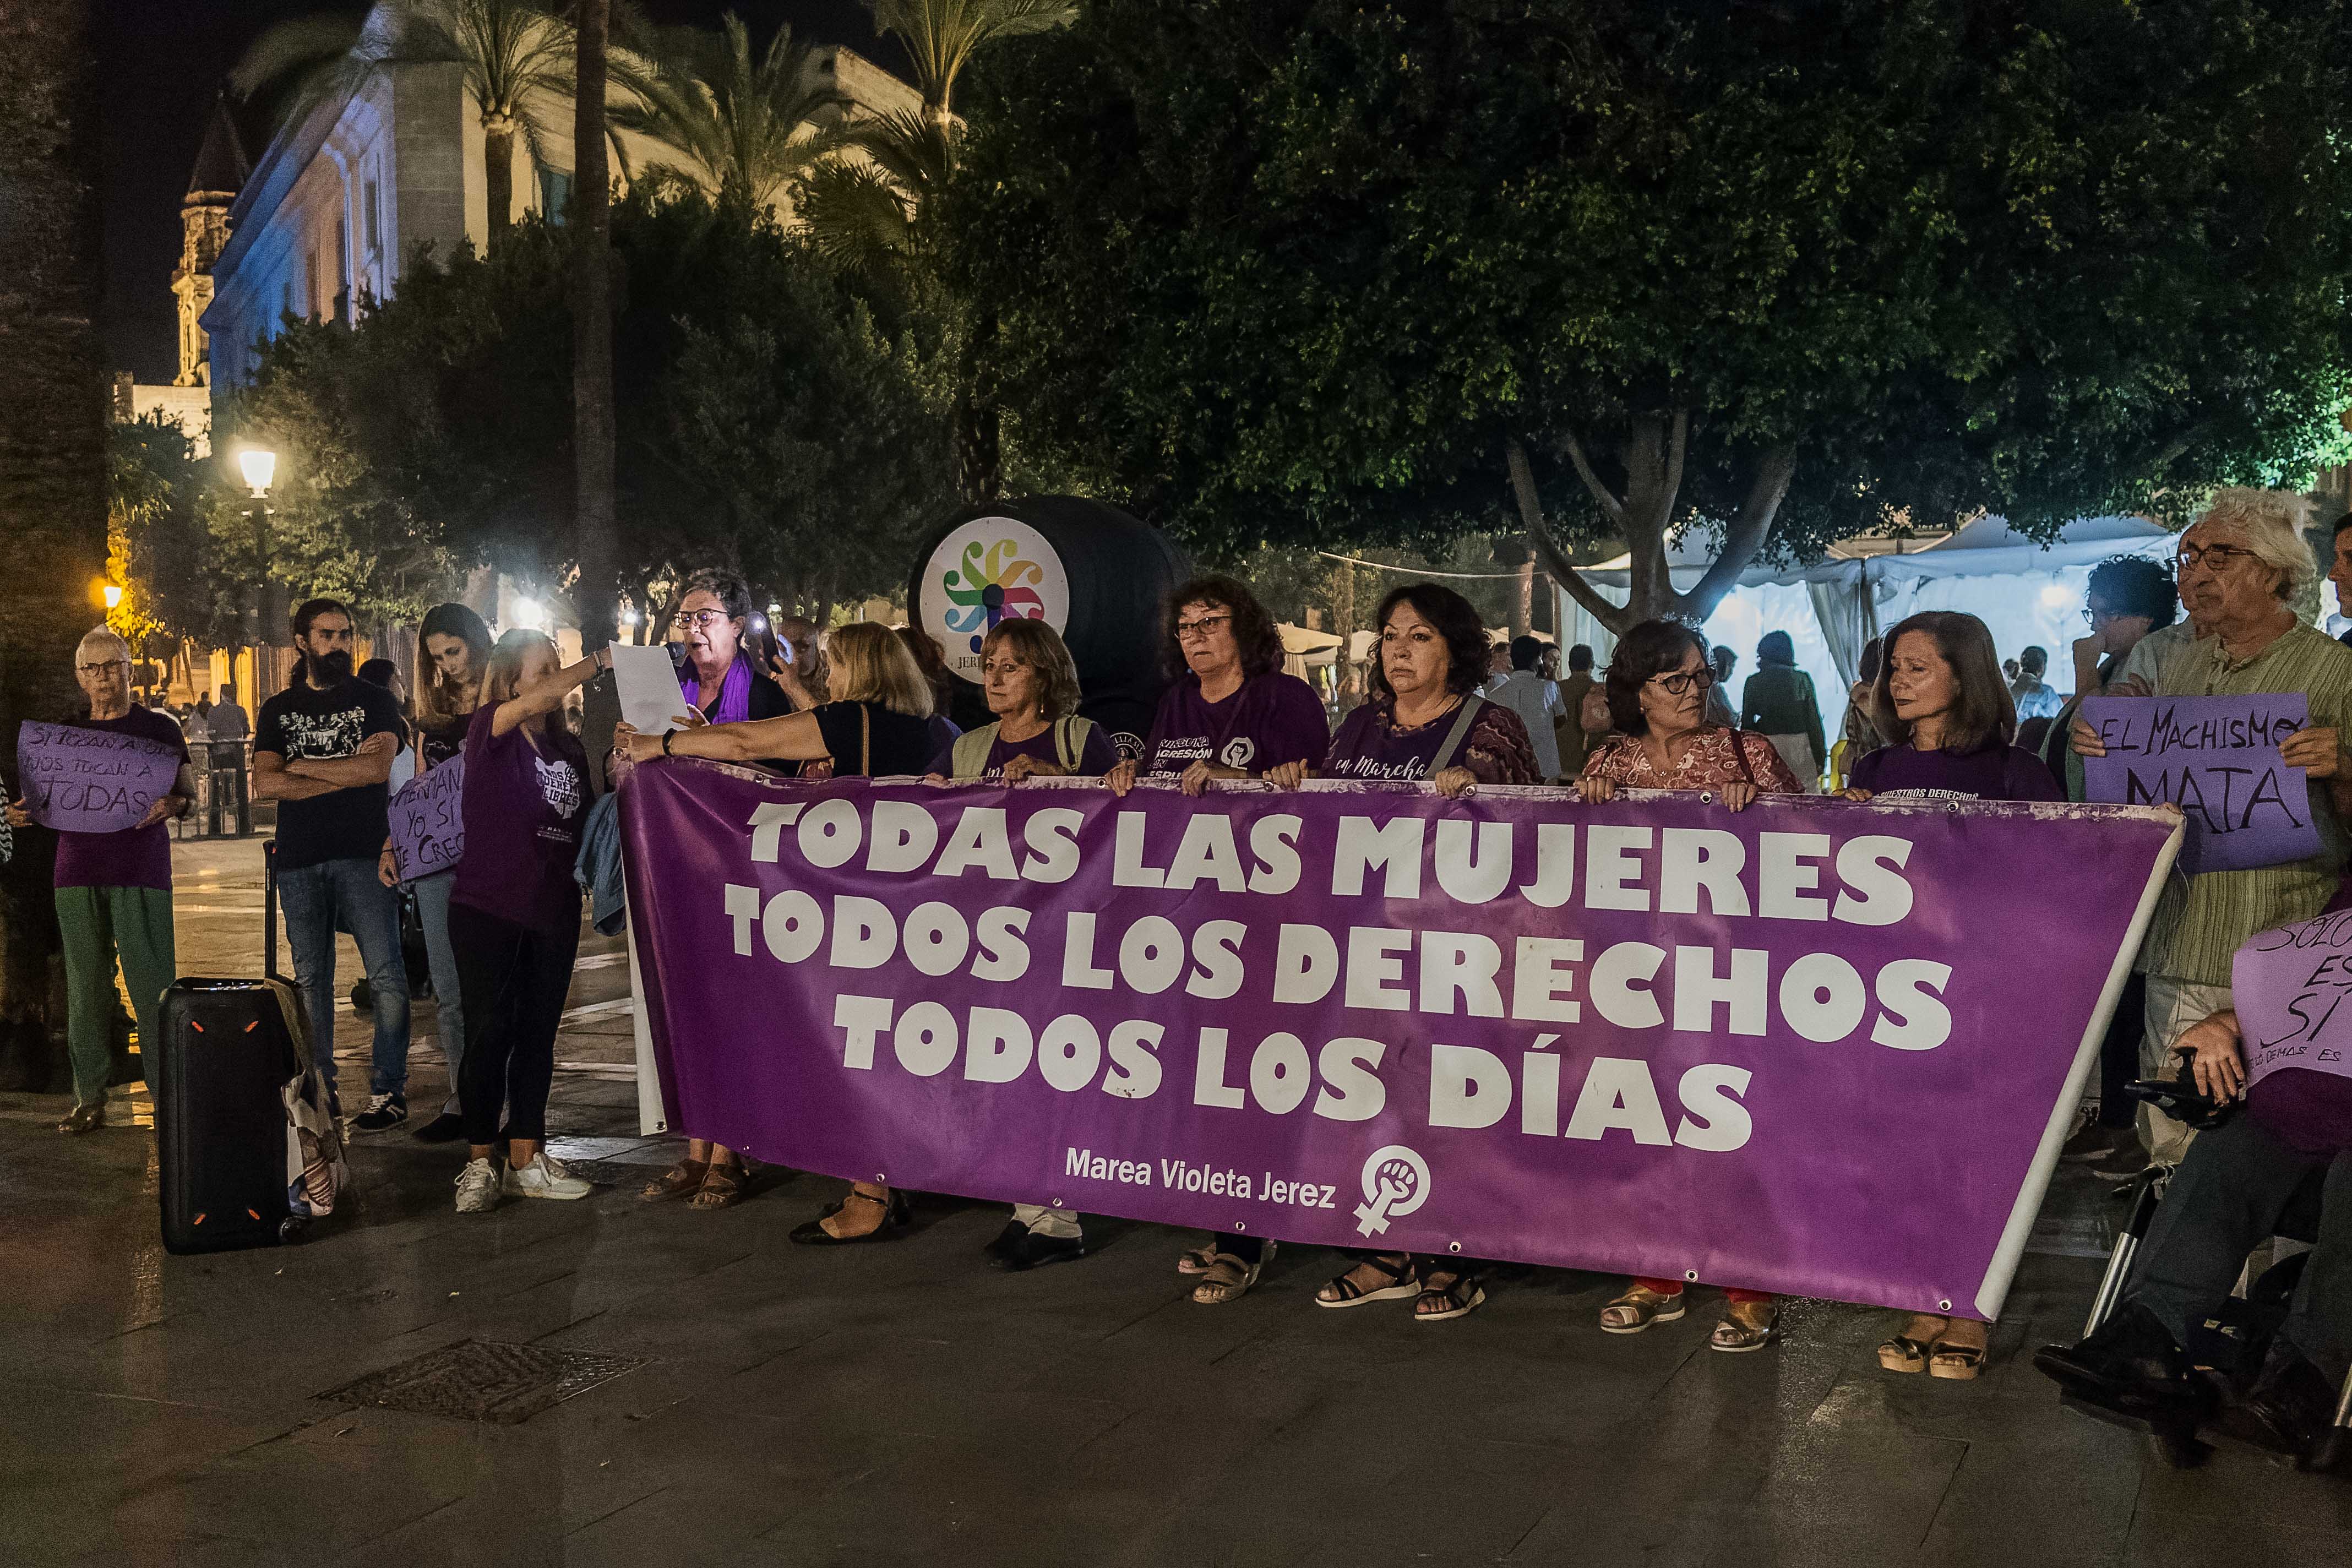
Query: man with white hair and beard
(322, 749)
(2240, 568)
(114, 890)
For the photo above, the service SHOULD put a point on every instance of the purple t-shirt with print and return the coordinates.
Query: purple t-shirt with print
(1272, 720)
(1995, 773)
(136, 857)
(1367, 747)
(523, 810)
(1097, 757)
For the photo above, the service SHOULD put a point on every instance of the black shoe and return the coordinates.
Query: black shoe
(894, 1222)
(1018, 1248)
(384, 1112)
(445, 1128)
(2290, 1406)
(2130, 1367)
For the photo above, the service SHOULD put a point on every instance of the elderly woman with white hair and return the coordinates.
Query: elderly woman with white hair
(2241, 567)
(113, 890)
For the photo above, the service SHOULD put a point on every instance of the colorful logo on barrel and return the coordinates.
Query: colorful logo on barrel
(994, 582)
(985, 572)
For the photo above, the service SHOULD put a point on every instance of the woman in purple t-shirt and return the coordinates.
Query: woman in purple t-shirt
(1232, 713)
(1947, 716)
(514, 912)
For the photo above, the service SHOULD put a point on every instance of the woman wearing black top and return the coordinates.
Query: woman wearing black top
(877, 726)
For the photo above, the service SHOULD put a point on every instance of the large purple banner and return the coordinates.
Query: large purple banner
(1813, 1046)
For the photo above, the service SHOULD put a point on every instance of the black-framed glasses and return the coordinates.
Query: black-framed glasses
(2215, 557)
(95, 670)
(1679, 682)
(1187, 630)
(700, 621)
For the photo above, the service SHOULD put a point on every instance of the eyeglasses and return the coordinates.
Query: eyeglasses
(1186, 631)
(700, 621)
(108, 667)
(2215, 557)
(1679, 683)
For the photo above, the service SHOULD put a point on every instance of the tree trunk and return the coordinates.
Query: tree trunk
(53, 408)
(596, 539)
(498, 172)
(979, 443)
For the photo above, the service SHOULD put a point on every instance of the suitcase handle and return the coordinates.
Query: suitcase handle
(270, 909)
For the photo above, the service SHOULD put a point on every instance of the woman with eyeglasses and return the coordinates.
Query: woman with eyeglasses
(719, 682)
(1657, 688)
(1426, 720)
(1232, 713)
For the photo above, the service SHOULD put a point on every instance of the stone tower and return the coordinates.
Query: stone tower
(212, 185)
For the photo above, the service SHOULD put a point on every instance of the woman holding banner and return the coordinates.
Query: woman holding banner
(1232, 712)
(1947, 718)
(1031, 684)
(877, 726)
(1424, 721)
(721, 683)
(454, 645)
(1657, 687)
(514, 912)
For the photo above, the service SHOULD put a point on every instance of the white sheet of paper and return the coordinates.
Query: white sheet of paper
(650, 698)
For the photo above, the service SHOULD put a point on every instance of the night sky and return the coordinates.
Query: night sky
(160, 64)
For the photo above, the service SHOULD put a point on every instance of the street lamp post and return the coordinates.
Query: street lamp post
(259, 466)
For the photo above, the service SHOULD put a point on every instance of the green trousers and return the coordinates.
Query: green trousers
(99, 924)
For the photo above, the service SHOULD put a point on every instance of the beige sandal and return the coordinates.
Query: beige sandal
(677, 1182)
(1227, 1278)
(1638, 1308)
(1746, 1326)
(1199, 1260)
(722, 1186)
(1908, 1352)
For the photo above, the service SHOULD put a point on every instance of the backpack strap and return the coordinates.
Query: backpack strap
(969, 757)
(1071, 733)
(1456, 735)
(1746, 769)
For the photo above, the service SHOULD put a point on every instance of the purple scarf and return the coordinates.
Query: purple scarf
(734, 692)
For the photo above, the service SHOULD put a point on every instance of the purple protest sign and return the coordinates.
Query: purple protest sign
(91, 780)
(428, 821)
(2217, 758)
(2290, 986)
(1811, 1046)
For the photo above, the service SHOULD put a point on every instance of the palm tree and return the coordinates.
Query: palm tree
(865, 214)
(508, 51)
(747, 127)
(941, 36)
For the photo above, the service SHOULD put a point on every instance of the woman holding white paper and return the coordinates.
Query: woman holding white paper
(1657, 688)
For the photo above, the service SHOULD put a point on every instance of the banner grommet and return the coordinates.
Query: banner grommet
(1690, 1275)
(1943, 1306)
(1239, 1226)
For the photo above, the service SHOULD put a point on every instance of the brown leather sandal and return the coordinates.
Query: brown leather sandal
(722, 1186)
(679, 1181)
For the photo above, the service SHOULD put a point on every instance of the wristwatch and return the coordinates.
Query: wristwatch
(667, 735)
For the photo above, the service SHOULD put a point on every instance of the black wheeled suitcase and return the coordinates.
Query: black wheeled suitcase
(247, 1149)
(228, 1051)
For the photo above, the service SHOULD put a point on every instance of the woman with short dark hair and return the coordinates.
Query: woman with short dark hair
(1426, 720)
(1232, 712)
(1657, 688)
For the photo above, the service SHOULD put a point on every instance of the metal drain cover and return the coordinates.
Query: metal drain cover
(483, 1380)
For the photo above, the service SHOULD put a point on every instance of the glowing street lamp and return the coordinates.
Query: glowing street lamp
(113, 591)
(259, 466)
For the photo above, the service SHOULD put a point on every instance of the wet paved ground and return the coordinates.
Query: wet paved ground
(903, 1403)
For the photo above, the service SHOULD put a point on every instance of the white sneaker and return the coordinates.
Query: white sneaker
(543, 1178)
(478, 1187)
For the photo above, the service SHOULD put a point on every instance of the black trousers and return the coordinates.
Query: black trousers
(513, 980)
(2119, 1054)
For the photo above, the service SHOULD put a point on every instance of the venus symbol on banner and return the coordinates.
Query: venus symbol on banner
(1396, 1180)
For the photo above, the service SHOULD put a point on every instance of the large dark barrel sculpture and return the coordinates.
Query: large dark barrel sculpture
(1093, 573)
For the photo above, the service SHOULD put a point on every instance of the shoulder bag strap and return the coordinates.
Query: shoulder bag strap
(1071, 733)
(1746, 769)
(1455, 736)
(866, 738)
(970, 757)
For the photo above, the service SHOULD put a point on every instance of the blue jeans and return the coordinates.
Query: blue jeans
(433, 912)
(313, 897)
